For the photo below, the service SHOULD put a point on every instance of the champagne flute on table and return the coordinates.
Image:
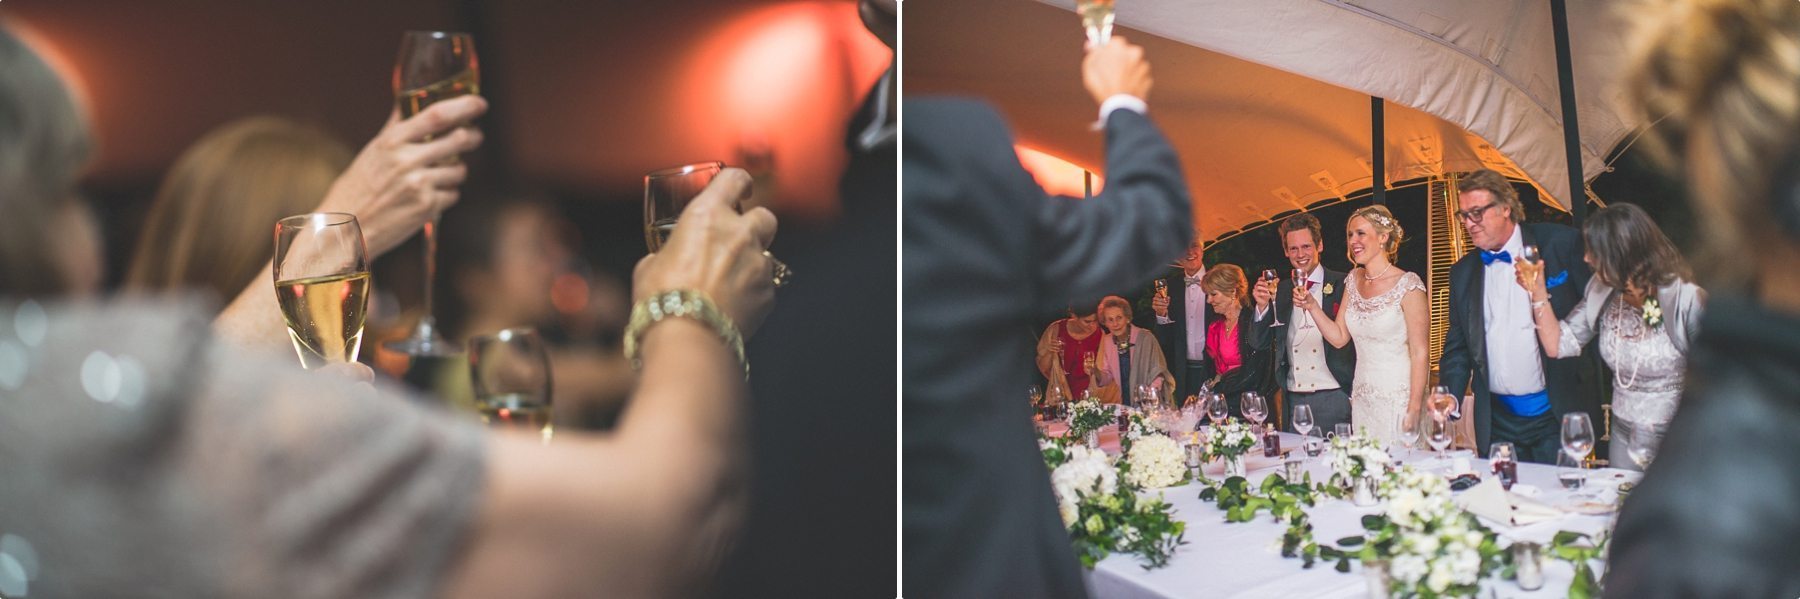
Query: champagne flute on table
(1097, 19)
(510, 371)
(322, 285)
(433, 66)
(668, 191)
(1577, 437)
(1268, 275)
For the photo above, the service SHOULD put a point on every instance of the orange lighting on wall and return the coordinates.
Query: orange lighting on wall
(60, 62)
(1055, 175)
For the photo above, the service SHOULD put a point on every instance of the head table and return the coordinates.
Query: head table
(1224, 559)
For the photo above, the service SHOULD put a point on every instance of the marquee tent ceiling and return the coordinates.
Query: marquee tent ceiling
(1268, 102)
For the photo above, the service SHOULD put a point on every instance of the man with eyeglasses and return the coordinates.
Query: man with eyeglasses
(1490, 349)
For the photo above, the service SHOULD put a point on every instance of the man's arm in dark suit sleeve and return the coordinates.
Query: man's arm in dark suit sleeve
(1142, 219)
(1454, 365)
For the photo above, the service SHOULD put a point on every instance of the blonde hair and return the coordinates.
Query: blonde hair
(1722, 75)
(210, 225)
(1383, 221)
(1113, 301)
(1227, 278)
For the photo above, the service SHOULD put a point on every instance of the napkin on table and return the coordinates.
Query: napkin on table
(1494, 503)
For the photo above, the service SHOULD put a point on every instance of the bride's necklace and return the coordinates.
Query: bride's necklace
(1384, 271)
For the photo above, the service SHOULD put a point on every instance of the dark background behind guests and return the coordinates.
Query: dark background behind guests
(586, 98)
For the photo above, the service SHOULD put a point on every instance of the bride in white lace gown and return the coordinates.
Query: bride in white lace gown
(1385, 311)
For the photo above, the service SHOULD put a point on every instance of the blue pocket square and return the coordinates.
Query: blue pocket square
(1560, 278)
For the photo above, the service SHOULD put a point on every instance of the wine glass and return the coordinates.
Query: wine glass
(1533, 261)
(510, 371)
(1342, 430)
(1442, 402)
(1303, 419)
(667, 193)
(322, 285)
(1409, 435)
(1254, 408)
(1059, 401)
(1439, 435)
(1577, 438)
(1097, 19)
(1268, 274)
(1216, 408)
(1299, 279)
(432, 66)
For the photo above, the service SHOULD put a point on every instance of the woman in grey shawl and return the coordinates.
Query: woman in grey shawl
(1645, 312)
(141, 455)
(1131, 357)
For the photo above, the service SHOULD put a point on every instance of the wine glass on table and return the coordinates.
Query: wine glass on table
(1268, 275)
(322, 285)
(1438, 434)
(1097, 19)
(510, 372)
(433, 66)
(1216, 408)
(1409, 435)
(1342, 430)
(1255, 410)
(668, 191)
(1577, 437)
(1303, 420)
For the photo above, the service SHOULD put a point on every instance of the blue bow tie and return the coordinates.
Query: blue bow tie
(1488, 257)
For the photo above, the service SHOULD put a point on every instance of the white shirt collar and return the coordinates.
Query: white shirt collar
(1515, 245)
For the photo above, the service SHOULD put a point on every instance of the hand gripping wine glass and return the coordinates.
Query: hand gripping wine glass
(510, 371)
(667, 193)
(433, 66)
(1299, 280)
(1534, 261)
(322, 284)
(1442, 402)
(1268, 274)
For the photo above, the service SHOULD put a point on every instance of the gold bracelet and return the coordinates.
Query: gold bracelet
(680, 303)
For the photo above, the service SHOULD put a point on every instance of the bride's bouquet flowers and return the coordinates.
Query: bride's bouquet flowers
(1155, 461)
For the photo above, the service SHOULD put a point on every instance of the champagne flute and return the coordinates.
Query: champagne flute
(1299, 278)
(1268, 274)
(510, 371)
(432, 66)
(668, 191)
(1097, 19)
(322, 285)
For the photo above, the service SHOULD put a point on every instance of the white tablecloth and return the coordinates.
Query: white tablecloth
(1224, 559)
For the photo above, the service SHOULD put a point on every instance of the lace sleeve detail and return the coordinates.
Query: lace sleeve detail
(1409, 282)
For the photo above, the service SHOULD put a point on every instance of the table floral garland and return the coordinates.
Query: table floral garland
(1099, 500)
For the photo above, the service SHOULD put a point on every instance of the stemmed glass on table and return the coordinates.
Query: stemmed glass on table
(1409, 435)
(667, 193)
(1255, 410)
(433, 66)
(1438, 434)
(1268, 274)
(321, 272)
(510, 371)
(1641, 445)
(1303, 421)
(1577, 439)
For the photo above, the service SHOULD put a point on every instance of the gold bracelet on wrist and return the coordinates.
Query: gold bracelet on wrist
(680, 303)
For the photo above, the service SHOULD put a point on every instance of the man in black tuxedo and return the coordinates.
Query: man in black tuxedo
(1177, 316)
(1491, 347)
(986, 252)
(1311, 371)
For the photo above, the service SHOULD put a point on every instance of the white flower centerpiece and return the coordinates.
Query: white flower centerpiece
(1230, 441)
(1083, 473)
(1357, 461)
(1429, 547)
(1085, 419)
(1155, 461)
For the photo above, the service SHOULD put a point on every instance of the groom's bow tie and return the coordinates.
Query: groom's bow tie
(1194, 280)
(1488, 257)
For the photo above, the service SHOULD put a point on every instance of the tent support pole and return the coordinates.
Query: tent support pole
(1378, 148)
(1087, 184)
(1565, 75)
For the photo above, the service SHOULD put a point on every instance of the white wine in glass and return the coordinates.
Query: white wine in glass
(432, 66)
(1097, 19)
(322, 285)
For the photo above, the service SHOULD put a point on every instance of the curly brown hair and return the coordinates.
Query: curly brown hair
(1497, 184)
